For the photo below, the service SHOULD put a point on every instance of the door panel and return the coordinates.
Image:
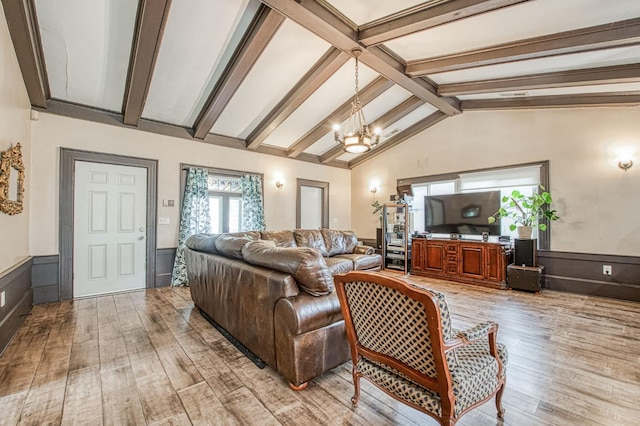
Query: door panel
(109, 228)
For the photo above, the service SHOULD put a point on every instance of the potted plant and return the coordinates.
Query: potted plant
(377, 209)
(526, 211)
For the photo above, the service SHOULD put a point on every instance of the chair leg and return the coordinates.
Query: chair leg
(499, 401)
(356, 393)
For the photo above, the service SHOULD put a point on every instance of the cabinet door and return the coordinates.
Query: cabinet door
(417, 255)
(495, 264)
(434, 257)
(471, 261)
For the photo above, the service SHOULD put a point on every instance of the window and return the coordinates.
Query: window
(524, 178)
(225, 203)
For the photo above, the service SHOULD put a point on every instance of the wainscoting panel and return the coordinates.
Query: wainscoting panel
(16, 284)
(45, 279)
(582, 273)
(164, 266)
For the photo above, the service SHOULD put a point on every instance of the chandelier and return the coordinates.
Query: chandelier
(356, 138)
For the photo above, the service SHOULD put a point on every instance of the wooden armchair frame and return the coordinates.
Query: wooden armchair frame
(442, 384)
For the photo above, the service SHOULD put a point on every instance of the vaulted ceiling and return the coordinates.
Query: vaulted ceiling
(275, 76)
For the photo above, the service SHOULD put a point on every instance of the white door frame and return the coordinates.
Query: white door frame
(68, 157)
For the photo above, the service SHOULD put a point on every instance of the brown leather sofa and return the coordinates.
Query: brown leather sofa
(273, 292)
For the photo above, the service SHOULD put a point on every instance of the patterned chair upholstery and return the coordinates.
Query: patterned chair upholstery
(402, 341)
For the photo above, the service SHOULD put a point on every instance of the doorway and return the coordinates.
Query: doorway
(312, 204)
(108, 265)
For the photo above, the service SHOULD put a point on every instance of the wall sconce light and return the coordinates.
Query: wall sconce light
(373, 190)
(279, 184)
(625, 164)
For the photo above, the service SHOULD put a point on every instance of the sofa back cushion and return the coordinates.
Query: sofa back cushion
(230, 246)
(206, 243)
(305, 264)
(311, 238)
(281, 238)
(339, 242)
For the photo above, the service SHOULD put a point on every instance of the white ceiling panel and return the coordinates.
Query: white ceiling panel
(86, 49)
(337, 90)
(199, 37)
(362, 12)
(599, 58)
(289, 55)
(601, 88)
(522, 21)
(404, 123)
(372, 111)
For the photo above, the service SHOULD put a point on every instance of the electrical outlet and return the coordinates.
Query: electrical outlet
(606, 270)
(3, 300)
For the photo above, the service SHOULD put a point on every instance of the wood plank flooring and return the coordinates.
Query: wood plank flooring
(148, 357)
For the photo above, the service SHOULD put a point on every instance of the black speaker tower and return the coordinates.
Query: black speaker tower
(525, 252)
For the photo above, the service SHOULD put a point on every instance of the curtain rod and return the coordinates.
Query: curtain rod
(216, 170)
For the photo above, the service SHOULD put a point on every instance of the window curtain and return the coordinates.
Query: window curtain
(252, 203)
(194, 218)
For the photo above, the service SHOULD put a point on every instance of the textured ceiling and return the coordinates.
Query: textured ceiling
(275, 76)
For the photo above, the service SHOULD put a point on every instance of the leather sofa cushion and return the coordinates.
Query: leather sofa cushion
(206, 243)
(230, 246)
(362, 261)
(281, 238)
(311, 238)
(203, 242)
(306, 265)
(339, 242)
(339, 265)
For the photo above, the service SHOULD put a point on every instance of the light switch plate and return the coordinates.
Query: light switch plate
(163, 221)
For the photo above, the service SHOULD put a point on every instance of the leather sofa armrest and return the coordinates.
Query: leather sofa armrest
(303, 313)
(363, 250)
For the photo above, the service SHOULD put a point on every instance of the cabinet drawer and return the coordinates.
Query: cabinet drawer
(453, 258)
(452, 268)
(451, 248)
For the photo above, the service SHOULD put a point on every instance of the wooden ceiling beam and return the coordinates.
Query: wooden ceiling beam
(584, 77)
(611, 99)
(382, 122)
(407, 133)
(25, 33)
(425, 16)
(615, 34)
(324, 68)
(151, 21)
(259, 34)
(313, 16)
(369, 93)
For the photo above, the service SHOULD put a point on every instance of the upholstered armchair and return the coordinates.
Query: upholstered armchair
(402, 341)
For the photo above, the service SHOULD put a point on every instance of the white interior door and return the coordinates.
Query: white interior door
(310, 207)
(109, 249)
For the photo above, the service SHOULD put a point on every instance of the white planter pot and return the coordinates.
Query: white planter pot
(524, 232)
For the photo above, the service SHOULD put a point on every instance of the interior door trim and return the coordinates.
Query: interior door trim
(325, 200)
(68, 157)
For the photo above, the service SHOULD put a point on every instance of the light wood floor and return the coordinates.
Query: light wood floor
(148, 357)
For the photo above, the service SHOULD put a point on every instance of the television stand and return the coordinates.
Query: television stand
(465, 261)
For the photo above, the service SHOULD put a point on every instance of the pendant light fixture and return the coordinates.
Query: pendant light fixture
(356, 138)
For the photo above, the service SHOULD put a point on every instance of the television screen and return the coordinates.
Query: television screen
(462, 213)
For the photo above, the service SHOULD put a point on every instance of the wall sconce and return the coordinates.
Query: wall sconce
(279, 184)
(373, 190)
(625, 164)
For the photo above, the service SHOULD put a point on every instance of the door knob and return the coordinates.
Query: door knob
(141, 229)
(140, 238)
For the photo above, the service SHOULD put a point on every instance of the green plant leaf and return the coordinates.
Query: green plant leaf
(512, 227)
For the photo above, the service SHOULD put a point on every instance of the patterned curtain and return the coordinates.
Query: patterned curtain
(252, 203)
(194, 219)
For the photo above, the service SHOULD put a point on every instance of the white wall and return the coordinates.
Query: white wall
(599, 204)
(14, 128)
(52, 132)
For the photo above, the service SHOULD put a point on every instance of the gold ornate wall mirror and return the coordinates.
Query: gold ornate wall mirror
(11, 180)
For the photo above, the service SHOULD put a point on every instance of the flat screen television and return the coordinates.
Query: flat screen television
(464, 214)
